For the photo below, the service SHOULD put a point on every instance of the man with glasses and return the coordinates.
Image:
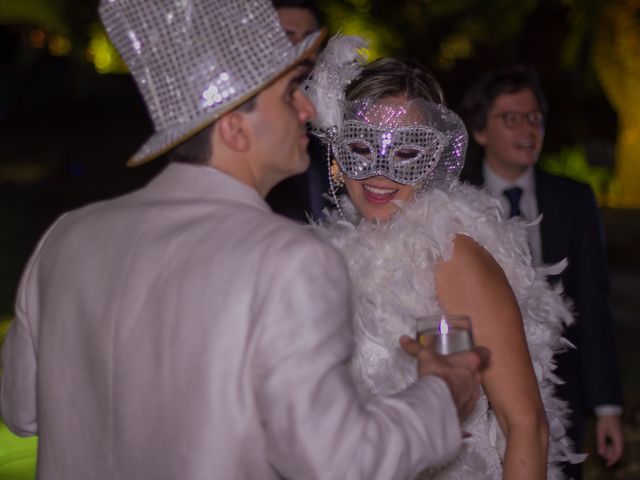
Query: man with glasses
(301, 197)
(504, 112)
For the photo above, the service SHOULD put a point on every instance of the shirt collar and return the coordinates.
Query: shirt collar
(496, 184)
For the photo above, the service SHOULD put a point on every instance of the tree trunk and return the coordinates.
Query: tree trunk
(616, 60)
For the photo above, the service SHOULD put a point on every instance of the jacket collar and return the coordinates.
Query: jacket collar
(184, 181)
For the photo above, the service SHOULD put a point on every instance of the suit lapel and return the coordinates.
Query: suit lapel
(473, 175)
(551, 228)
(551, 224)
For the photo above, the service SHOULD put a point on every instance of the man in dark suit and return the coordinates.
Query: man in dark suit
(504, 112)
(301, 196)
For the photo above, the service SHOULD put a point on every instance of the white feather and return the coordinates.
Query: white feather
(338, 64)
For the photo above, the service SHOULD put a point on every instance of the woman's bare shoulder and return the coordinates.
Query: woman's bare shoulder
(470, 276)
(470, 255)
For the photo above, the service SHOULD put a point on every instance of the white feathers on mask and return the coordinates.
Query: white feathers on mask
(338, 64)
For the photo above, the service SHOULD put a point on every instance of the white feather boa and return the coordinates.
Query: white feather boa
(392, 269)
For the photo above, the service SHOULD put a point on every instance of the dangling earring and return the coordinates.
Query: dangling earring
(337, 177)
(336, 180)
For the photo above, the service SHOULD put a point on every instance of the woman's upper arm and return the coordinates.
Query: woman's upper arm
(472, 283)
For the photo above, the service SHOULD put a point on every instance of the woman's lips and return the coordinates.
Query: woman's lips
(377, 194)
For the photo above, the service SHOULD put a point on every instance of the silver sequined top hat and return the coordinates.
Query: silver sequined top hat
(194, 60)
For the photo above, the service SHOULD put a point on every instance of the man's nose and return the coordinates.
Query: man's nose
(306, 109)
(527, 126)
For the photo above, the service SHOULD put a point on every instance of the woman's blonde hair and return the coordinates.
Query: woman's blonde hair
(391, 77)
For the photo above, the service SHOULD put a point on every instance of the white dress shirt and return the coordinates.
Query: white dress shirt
(528, 203)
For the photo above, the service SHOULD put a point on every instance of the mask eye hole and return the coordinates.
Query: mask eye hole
(406, 153)
(360, 148)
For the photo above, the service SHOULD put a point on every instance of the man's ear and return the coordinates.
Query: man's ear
(233, 129)
(480, 136)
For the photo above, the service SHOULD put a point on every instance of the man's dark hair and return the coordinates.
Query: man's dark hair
(196, 150)
(307, 4)
(478, 101)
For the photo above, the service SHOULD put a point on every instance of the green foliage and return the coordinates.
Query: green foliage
(5, 322)
(17, 455)
(438, 32)
(40, 13)
(353, 17)
(572, 162)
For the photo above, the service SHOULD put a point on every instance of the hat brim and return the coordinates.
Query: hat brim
(162, 141)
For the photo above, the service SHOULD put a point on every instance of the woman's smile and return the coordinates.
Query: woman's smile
(378, 194)
(374, 197)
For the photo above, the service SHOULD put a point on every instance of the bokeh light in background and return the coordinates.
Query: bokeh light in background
(617, 62)
(614, 31)
(354, 18)
(102, 53)
(445, 35)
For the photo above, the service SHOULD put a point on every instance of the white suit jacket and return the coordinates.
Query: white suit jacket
(184, 331)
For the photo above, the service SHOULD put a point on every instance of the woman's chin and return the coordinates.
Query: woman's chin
(380, 215)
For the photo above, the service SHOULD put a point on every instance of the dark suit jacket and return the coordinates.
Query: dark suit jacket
(571, 228)
(301, 196)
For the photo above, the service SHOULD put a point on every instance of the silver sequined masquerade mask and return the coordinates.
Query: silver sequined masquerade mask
(195, 60)
(410, 142)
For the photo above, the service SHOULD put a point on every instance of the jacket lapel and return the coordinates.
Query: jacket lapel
(551, 227)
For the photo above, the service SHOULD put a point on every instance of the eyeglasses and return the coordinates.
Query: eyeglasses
(516, 119)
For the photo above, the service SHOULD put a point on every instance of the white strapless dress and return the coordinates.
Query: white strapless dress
(392, 268)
